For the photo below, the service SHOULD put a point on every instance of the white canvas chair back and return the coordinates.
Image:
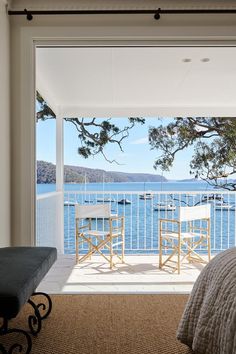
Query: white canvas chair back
(195, 213)
(92, 211)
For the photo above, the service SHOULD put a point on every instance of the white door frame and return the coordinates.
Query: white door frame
(24, 44)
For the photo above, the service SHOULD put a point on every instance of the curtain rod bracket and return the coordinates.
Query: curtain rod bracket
(157, 15)
(29, 15)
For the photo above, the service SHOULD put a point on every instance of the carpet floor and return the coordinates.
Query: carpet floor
(108, 324)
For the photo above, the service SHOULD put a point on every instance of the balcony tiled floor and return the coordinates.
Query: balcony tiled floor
(140, 274)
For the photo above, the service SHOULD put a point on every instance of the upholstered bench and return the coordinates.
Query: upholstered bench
(21, 271)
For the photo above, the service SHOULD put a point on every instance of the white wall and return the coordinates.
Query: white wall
(4, 128)
(85, 30)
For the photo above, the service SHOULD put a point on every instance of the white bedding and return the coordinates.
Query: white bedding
(208, 324)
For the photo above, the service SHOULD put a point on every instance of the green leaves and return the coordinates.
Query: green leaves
(93, 133)
(43, 110)
(214, 141)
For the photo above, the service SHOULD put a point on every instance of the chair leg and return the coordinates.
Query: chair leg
(123, 248)
(209, 250)
(160, 247)
(76, 248)
(90, 249)
(111, 254)
(189, 245)
(179, 252)
(209, 240)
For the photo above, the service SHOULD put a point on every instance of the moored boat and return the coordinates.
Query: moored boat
(212, 198)
(68, 203)
(164, 207)
(124, 201)
(223, 206)
(146, 196)
(105, 200)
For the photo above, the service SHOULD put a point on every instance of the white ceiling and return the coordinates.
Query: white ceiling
(138, 81)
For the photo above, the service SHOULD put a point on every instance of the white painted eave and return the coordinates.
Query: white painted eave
(136, 81)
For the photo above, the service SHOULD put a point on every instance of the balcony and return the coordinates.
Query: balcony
(140, 273)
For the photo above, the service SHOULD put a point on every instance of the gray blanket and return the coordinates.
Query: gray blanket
(208, 324)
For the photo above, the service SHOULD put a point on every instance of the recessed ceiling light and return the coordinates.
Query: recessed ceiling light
(205, 60)
(187, 60)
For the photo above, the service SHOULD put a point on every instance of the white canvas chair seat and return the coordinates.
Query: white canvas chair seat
(96, 233)
(196, 223)
(100, 233)
(183, 235)
(98, 240)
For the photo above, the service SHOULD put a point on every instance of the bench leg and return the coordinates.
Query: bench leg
(41, 311)
(4, 330)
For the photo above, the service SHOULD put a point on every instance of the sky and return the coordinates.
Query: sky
(137, 155)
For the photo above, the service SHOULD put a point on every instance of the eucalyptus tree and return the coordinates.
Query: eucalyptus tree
(93, 134)
(213, 141)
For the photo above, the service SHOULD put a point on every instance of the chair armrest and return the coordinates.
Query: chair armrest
(170, 220)
(116, 218)
(120, 220)
(84, 227)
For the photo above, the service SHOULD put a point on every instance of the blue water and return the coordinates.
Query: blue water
(131, 186)
(141, 221)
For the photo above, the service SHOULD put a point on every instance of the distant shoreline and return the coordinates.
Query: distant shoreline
(138, 182)
(46, 173)
(144, 182)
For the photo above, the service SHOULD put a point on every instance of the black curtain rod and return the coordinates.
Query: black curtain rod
(157, 12)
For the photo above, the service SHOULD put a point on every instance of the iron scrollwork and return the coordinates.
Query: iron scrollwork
(41, 311)
(16, 347)
(44, 309)
(35, 320)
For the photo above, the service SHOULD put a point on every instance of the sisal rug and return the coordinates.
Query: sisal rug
(109, 324)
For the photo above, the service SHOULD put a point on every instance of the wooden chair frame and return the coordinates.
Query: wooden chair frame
(85, 234)
(203, 234)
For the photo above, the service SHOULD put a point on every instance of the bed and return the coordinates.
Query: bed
(208, 324)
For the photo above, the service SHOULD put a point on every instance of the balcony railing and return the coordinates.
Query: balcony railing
(48, 223)
(142, 216)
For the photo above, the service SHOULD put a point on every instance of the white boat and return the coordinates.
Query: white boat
(164, 207)
(213, 198)
(124, 201)
(68, 203)
(105, 200)
(146, 196)
(222, 206)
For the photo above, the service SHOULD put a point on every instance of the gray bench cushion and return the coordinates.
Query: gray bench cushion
(21, 271)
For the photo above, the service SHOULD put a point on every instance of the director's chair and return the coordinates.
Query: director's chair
(184, 236)
(87, 231)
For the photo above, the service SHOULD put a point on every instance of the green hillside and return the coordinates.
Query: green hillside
(46, 173)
